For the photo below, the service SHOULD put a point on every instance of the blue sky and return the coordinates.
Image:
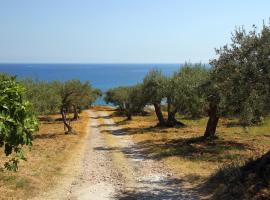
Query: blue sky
(121, 31)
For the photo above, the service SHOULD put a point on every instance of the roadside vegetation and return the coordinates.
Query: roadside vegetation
(234, 94)
(24, 103)
(49, 160)
(35, 117)
(69, 97)
(17, 121)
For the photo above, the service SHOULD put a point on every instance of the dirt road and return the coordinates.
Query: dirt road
(113, 167)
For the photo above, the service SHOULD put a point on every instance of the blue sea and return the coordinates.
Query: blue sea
(103, 76)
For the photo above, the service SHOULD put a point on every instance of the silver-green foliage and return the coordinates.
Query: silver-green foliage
(242, 74)
(128, 99)
(183, 89)
(154, 86)
(43, 95)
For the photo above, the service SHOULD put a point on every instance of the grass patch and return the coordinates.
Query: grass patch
(23, 184)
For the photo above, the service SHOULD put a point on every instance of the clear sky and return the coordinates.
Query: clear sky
(121, 31)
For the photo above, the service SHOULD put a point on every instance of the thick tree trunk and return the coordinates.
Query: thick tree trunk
(171, 121)
(159, 114)
(211, 127)
(75, 112)
(129, 116)
(128, 111)
(66, 124)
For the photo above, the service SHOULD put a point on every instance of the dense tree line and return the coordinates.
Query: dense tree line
(60, 97)
(237, 84)
(177, 94)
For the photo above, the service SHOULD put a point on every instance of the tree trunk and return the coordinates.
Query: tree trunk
(128, 111)
(159, 114)
(129, 116)
(66, 124)
(76, 114)
(211, 127)
(171, 121)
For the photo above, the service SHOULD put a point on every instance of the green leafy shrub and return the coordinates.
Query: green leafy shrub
(17, 121)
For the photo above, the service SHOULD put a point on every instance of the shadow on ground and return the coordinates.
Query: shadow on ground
(48, 136)
(195, 148)
(164, 189)
(133, 131)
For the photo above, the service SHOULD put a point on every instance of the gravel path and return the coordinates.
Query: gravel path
(97, 179)
(121, 171)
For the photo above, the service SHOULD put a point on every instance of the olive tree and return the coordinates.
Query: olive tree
(117, 96)
(17, 121)
(183, 92)
(43, 95)
(154, 87)
(66, 97)
(240, 79)
(74, 95)
(129, 100)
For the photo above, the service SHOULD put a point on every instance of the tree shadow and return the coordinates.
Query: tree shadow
(133, 131)
(102, 125)
(123, 122)
(164, 189)
(47, 136)
(101, 117)
(241, 179)
(106, 149)
(193, 149)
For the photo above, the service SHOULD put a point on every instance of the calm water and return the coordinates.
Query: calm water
(103, 76)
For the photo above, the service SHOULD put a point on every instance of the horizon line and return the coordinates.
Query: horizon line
(97, 63)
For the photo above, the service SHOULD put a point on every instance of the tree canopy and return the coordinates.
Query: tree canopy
(183, 90)
(154, 87)
(63, 97)
(129, 100)
(240, 76)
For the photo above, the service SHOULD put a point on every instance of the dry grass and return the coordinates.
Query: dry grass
(46, 161)
(183, 151)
